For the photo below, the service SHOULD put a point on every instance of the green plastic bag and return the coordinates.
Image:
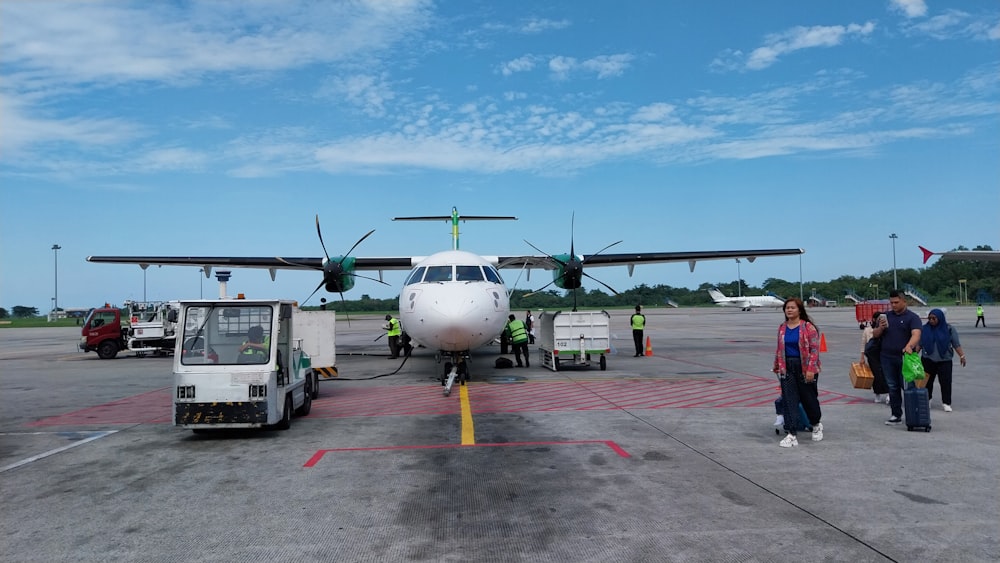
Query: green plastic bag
(913, 368)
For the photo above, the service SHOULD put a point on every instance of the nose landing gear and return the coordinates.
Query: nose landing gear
(456, 369)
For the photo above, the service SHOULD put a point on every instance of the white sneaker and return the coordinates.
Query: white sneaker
(878, 398)
(789, 441)
(779, 420)
(886, 398)
(818, 432)
(947, 408)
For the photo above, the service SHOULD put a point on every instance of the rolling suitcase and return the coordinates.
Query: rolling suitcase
(804, 425)
(917, 408)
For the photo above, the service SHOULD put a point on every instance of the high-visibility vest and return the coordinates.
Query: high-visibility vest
(979, 310)
(518, 333)
(266, 344)
(394, 328)
(638, 322)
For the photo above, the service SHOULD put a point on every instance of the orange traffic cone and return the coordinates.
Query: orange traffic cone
(649, 347)
(822, 342)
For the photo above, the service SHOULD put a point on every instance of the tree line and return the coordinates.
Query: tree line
(939, 283)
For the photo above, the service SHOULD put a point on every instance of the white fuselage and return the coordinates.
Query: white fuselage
(453, 301)
(747, 301)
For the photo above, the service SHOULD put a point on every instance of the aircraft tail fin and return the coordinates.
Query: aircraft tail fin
(454, 219)
(716, 295)
(927, 254)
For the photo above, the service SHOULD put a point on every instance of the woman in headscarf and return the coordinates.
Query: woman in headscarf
(939, 343)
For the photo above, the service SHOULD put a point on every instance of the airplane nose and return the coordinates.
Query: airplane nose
(454, 317)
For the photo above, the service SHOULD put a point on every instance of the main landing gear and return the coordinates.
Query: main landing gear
(457, 368)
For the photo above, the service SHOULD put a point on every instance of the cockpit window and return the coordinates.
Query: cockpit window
(468, 273)
(415, 276)
(492, 275)
(438, 274)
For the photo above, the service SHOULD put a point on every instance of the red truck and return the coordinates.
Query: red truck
(139, 327)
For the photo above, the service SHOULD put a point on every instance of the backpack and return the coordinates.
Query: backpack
(874, 346)
(504, 363)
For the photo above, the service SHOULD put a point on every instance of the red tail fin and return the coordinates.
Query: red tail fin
(927, 254)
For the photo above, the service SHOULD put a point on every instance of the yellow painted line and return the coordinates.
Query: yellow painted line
(468, 430)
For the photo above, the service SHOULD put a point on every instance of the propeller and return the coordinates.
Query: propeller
(334, 271)
(572, 274)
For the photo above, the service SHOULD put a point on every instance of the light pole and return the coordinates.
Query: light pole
(875, 285)
(739, 281)
(143, 266)
(201, 285)
(55, 300)
(895, 283)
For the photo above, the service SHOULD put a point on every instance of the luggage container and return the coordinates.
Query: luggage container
(863, 311)
(572, 338)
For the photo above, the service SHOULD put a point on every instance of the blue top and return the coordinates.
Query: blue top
(897, 333)
(792, 342)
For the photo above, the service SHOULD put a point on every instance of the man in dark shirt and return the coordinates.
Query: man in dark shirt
(900, 332)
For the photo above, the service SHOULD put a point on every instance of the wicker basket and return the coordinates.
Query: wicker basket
(861, 376)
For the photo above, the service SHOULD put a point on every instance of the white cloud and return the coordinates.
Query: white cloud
(910, 8)
(561, 67)
(539, 25)
(604, 66)
(797, 38)
(23, 127)
(607, 66)
(370, 93)
(520, 64)
(108, 43)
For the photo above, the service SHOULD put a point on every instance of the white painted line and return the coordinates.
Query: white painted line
(57, 450)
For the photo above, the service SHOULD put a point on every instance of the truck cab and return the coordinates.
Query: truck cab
(238, 364)
(103, 332)
(140, 327)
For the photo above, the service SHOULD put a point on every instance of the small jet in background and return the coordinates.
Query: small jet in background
(746, 302)
(985, 255)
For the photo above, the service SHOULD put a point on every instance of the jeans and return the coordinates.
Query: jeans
(892, 369)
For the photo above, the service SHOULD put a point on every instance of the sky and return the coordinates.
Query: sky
(225, 128)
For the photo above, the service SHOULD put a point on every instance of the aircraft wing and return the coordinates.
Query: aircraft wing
(981, 255)
(260, 262)
(631, 259)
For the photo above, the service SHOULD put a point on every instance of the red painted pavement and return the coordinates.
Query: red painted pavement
(336, 401)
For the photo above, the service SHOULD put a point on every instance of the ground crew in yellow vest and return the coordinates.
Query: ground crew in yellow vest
(518, 339)
(638, 326)
(393, 330)
(979, 316)
(256, 347)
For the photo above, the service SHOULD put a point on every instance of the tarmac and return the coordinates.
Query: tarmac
(668, 457)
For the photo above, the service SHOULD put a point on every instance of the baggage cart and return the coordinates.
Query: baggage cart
(574, 338)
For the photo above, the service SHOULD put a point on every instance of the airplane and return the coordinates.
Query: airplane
(453, 301)
(983, 255)
(746, 302)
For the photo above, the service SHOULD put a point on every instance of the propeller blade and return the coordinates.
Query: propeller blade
(313, 293)
(320, 233)
(290, 263)
(600, 282)
(551, 257)
(601, 250)
(344, 303)
(572, 233)
(539, 290)
(352, 248)
(372, 279)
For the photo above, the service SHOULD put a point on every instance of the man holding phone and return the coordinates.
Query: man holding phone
(900, 330)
